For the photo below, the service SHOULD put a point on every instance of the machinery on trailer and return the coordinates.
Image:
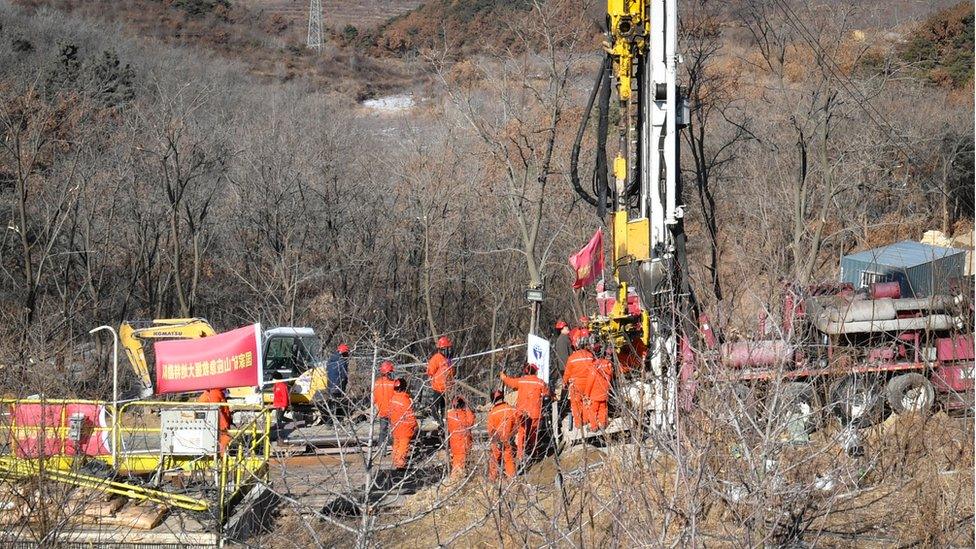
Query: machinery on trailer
(854, 352)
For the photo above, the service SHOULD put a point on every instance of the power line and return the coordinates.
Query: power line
(807, 35)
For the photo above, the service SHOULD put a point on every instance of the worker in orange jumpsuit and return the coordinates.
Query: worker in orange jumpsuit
(503, 423)
(440, 372)
(382, 393)
(580, 331)
(460, 420)
(216, 396)
(531, 392)
(597, 390)
(632, 355)
(403, 423)
(578, 367)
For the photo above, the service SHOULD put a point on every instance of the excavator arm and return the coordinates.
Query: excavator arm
(132, 334)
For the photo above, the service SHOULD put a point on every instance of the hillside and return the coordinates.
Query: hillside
(462, 27)
(941, 47)
(336, 14)
(268, 37)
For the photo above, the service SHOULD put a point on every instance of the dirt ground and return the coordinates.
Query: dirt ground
(912, 486)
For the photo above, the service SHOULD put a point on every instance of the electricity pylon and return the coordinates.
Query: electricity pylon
(314, 24)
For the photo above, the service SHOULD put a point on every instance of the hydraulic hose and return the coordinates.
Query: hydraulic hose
(601, 83)
(633, 187)
(603, 123)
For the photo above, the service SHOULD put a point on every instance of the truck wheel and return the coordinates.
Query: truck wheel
(910, 393)
(856, 400)
(797, 403)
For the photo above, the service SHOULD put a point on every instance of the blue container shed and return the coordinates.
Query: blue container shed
(921, 269)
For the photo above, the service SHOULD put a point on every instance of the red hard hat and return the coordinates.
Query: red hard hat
(560, 325)
(444, 342)
(343, 348)
(530, 369)
(386, 367)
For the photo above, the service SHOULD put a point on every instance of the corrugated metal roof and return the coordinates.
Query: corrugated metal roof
(906, 253)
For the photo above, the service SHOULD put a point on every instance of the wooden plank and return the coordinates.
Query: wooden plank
(142, 516)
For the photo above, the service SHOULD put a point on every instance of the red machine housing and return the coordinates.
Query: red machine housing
(831, 330)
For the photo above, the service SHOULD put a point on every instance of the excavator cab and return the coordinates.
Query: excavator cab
(295, 354)
(290, 352)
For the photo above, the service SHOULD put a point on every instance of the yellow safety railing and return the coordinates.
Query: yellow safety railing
(137, 437)
(58, 431)
(245, 460)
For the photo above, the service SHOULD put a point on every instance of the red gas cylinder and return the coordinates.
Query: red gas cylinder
(747, 354)
(880, 290)
(708, 334)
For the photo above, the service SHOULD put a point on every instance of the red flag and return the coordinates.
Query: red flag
(588, 262)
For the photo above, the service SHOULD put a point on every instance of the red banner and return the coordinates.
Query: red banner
(588, 262)
(42, 429)
(222, 361)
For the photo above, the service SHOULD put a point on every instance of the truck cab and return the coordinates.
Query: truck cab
(290, 352)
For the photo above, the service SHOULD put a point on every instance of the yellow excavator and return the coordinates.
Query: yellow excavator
(293, 353)
(133, 333)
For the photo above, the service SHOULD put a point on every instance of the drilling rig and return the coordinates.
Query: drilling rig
(648, 307)
(841, 344)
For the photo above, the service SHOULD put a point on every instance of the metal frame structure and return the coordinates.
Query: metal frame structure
(644, 200)
(244, 462)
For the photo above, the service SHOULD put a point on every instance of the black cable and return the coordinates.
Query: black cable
(603, 124)
(574, 158)
(633, 188)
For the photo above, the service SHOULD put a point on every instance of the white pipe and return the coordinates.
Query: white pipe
(115, 391)
(670, 137)
(931, 322)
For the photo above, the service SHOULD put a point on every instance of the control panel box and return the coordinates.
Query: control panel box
(188, 432)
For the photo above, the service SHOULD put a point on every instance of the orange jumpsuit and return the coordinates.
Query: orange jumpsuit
(578, 368)
(459, 439)
(531, 392)
(403, 423)
(503, 422)
(631, 357)
(216, 396)
(598, 392)
(441, 373)
(382, 393)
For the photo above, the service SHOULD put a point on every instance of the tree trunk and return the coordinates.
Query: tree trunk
(428, 305)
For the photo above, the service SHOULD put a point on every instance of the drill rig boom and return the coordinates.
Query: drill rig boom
(644, 199)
